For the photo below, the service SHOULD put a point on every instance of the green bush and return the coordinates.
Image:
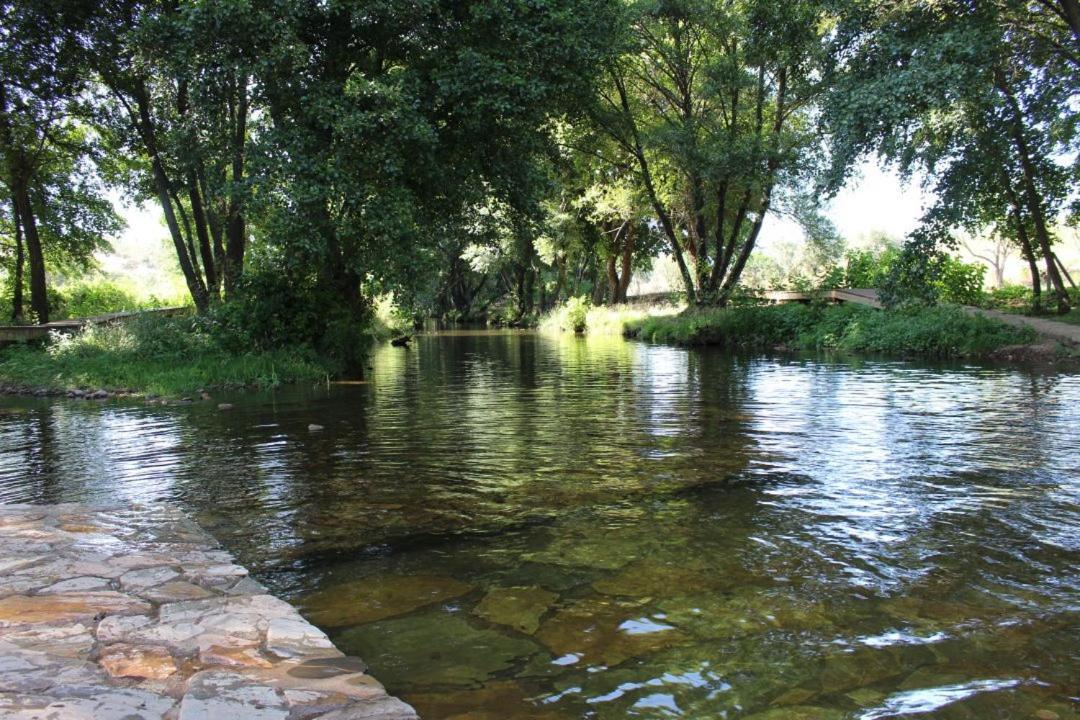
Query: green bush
(1008, 296)
(87, 299)
(959, 282)
(571, 316)
(868, 268)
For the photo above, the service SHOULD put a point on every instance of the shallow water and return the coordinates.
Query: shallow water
(515, 526)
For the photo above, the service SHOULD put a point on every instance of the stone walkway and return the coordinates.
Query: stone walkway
(119, 612)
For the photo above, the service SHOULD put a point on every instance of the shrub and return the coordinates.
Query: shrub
(1008, 296)
(571, 316)
(959, 282)
(87, 299)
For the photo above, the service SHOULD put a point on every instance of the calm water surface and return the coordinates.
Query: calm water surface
(516, 526)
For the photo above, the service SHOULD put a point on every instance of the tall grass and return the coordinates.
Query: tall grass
(942, 331)
(577, 315)
(165, 356)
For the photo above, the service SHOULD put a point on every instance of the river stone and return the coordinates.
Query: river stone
(139, 661)
(602, 632)
(290, 637)
(146, 577)
(650, 578)
(848, 671)
(214, 695)
(376, 598)
(319, 668)
(74, 641)
(381, 708)
(434, 648)
(102, 703)
(516, 607)
(175, 591)
(116, 627)
(233, 655)
(79, 584)
(66, 607)
(597, 552)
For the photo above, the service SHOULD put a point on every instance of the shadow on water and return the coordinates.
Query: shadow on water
(507, 525)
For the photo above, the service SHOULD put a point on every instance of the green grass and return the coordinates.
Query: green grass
(942, 331)
(163, 356)
(601, 319)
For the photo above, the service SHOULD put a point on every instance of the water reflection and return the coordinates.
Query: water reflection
(514, 526)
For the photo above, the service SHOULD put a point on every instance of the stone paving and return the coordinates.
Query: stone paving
(122, 612)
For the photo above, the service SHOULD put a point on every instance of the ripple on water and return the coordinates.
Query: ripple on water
(596, 528)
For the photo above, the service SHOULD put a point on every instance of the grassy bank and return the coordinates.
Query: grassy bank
(152, 355)
(576, 315)
(943, 331)
(933, 332)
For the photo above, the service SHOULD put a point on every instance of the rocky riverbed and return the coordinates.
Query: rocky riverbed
(135, 612)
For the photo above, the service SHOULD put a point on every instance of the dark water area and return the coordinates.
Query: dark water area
(510, 525)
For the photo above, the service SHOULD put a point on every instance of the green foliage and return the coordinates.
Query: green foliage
(269, 310)
(960, 283)
(1008, 296)
(170, 356)
(577, 309)
(868, 268)
(87, 299)
(938, 332)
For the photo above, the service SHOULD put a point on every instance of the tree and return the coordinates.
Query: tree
(54, 200)
(178, 77)
(979, 96)
(712, 103)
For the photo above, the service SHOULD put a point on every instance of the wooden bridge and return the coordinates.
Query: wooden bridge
(23, 333)
(861, 296)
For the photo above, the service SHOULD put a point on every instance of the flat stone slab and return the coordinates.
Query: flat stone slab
(135, 612)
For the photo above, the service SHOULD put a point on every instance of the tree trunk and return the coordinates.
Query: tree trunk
(17, 279)
(1031, 195)
(612, 279)
(202, 232)
(39, 298)
(237, 230)
(661, 212)
(1064, 272)
(626, 267)
(145, 127)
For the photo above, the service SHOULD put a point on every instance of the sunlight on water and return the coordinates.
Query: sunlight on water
(506, 525)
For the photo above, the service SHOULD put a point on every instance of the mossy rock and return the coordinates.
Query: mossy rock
(433, 648)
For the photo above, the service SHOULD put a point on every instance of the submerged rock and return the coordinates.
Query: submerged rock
(376, 598)
(433, 649)
(516, 607)
(495, 700)
(603, 632)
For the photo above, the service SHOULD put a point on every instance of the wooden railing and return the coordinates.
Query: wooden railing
(22, 333)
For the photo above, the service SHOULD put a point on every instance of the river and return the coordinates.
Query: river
(509, 525)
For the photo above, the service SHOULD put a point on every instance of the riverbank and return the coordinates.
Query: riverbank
(152, 356)
(128, 612)
(937, 332)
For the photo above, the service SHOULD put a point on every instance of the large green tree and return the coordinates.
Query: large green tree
(54, 205)
(713, 102)
(981, 97)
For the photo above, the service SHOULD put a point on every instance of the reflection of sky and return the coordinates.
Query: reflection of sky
(883, 454)
(459, 433)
